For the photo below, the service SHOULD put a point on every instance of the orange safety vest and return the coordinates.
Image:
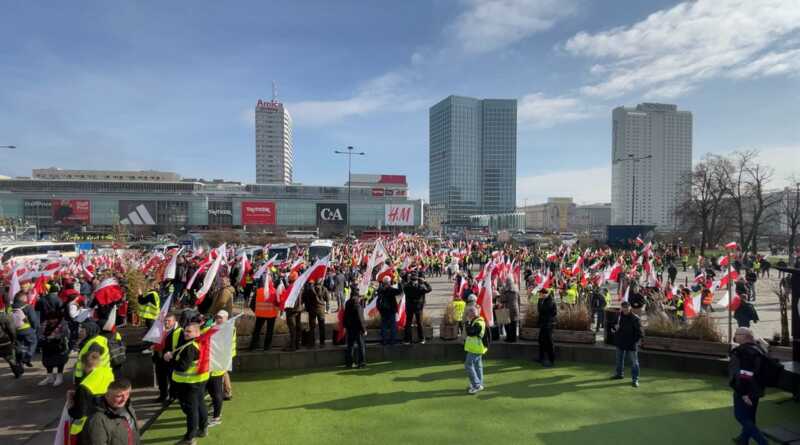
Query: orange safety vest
(708, 297)
(264, 308)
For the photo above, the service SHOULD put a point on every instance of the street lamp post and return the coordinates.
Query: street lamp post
(8, 146)
(634, 159)
(349, 154)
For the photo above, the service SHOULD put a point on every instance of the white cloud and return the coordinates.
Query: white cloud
(540, 111)
(672, 50)
(585, 186)
(488, 25)
(386, 91)
(783, 159)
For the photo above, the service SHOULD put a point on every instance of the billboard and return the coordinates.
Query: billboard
(258, 213)
(331, 214)
(137, 213)
(220, 213)
(399, 215)
(71, 211)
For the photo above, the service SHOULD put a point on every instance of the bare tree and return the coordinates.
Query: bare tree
(747, 184)
(790, 212)
(705, 210)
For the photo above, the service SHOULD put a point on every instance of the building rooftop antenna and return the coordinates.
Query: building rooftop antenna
(274, 92)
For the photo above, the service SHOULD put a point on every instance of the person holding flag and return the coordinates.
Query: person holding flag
(264, 305)
(191, 383)
(171, 334)
(387, 307)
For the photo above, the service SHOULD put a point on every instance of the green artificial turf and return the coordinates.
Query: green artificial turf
(426, 403)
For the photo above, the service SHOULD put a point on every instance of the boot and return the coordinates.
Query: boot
(59, 380)
(47, 380)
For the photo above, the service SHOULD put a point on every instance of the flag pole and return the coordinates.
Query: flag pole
(730, 300)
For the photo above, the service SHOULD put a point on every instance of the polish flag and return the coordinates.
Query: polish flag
(597, 264)
(701, 277)
(216, 347)
(108, 292)
(627, 292)
(577, 266)
(400, 317)
(639, 241)
(264, 267)
(732, 275)
(737, 301)
(723, 261)
(670, 292)
(371, 310)
(14, 285)
(732, 245)
(299, 263)
(386, 271)
(691, 306)
(552, 257)
(613, 272)
(315, 272)
(211, 274)
(244, 268)
(485, 300)
(158, 333)
(169, 272)
(544, 283)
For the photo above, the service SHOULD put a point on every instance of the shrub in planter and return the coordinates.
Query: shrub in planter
(702, 328)
(531, 319)
(574, 317)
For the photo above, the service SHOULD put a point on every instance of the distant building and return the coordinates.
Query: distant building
(274, 146)
(592, 217)
(664, 133)
(472, 158)
(105, 175)
(556, 215)
(381, 185)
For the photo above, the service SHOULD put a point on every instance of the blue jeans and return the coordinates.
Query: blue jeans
(474, 366)
(388, 324)
(634, 355)
(746, 416)
(27, 341)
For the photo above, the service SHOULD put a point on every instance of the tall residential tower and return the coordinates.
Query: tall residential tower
(274, 147)
(654, 141)
(473, 158)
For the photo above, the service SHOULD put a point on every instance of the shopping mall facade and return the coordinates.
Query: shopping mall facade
(169, 206)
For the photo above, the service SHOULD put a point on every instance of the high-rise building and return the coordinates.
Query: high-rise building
(472, 158)
(651, 160)
(274, 147)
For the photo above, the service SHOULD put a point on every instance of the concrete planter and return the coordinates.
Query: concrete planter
(374, 335)
(279, 341)
(448, 331)
(685, 345)
(561, 336)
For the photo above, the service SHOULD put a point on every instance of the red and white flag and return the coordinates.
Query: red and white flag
(315, 272)
(485, 298)
(172, 267)
(639, 241)
(216, 347)
(732, 245)
(723, 260)
(244, 268)
(109, 291)
(211, 274)
(157, 332)
(691, 306)
(386, 271)
(401, 312)
(264, 267)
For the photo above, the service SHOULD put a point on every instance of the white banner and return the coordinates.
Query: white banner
(399, 215)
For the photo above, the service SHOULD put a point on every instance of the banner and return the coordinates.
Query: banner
(399, 215)
(137, 213)
(71, 211)
(331, 214)
(258, 213)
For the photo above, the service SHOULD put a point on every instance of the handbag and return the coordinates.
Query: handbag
(502, 316)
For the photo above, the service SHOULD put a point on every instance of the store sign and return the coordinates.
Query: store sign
(38, 204)
(137, 213)
(258, 213)
(267, 105)
(71, 211)
(399, 215)
(220, 212)
(331, 214)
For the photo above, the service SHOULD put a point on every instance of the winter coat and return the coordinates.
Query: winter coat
(746, 357)
(354, 317)
(415, 293)
(55, 346)
(314, 298)
(628, 331)
(223, 300)
(745, 314)
(387, 301)
(510, 300)
(548, 312)
(111, 427)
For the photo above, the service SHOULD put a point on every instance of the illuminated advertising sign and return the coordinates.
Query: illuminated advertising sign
(71, 211)
(258, 213)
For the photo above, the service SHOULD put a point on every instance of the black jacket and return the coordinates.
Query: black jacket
(415, 293)
(548, 312)
(628, 332)
(747, 357)
(354, 317)
(598, 300)
(745, 314)
(387, 301)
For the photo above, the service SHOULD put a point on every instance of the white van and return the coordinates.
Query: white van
(320, 249)
(37, 250)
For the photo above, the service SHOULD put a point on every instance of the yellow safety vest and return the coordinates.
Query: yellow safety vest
(150, 311)
(190, 375)
(176, 336)
(97, 383)
(105, 357)
(474, 344)
(572, 295)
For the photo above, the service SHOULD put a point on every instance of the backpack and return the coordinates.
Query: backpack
(116, 349)
(769, 371)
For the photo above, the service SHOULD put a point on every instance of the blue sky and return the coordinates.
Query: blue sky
(173, 85)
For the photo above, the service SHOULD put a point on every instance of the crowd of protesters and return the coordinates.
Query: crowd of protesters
(78, 305)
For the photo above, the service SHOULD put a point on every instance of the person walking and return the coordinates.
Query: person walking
(8, 343)
(115, 422)
(26, 323)
(163, 368)
(85, 400)
(745, 314)
(744, 376)
(474, 348)
(548, 313)
(356, 329)
(339, 281)
(387, 307)
(415, 290)
(627, 335)
(191, 384)
(55, 350)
